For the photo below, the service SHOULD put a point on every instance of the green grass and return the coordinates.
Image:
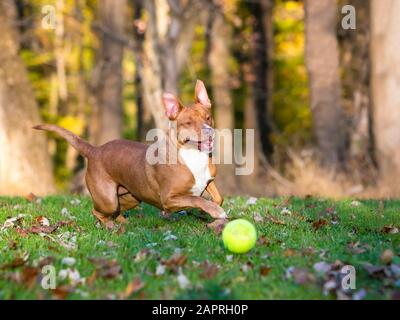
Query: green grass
(146, 229)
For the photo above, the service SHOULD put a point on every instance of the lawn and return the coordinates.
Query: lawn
(302, 246)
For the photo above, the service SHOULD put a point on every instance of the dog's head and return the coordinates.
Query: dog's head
(194, 123)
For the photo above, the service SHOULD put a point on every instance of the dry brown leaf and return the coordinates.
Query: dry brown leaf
(302, 276)
(263, 241)
(31, 197)
(309, 251)
(357, 247)
(121, 229)
(29, 277)
(264, 271)
(289, 252)
(142, 254)
(390, 229)
(43, 228)
(387, 256)
(176, 260)
(318, 224)
(61, 292)
(209, 270)
(275, 220)
(107, 269)
(12, 245)
(17, 262)
(134, 286)
(43, 221)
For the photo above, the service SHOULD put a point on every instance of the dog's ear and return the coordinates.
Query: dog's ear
(201, 94)
(172, 106)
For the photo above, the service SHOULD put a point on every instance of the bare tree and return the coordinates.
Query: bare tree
(385, 79)
(220, 33)
(106, 121)
(168, 37)
(322, 57)
(261, 64)
(25, 164)
(355, 64)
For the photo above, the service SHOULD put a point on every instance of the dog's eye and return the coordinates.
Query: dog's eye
(208, 118)
(188, 123)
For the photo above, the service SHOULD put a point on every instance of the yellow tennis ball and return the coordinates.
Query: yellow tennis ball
(239, 236)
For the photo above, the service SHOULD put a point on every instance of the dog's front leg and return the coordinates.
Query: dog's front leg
(214, 193)
(177, 203)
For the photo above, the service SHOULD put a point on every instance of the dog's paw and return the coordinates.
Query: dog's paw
(217, 225)
(223, 215)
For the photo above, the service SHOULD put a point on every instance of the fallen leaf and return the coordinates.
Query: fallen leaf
(17, 262)
(183, 281)
(31, 197)
(61, 292)
(275, 220)
(12, 245)
(258, 218)
(176, 260)
(72, 275)
(355, 203)
(360, 294)
(45, 261)
(357, 247)
(142, 254)
(134, 286)
(251, 201)
(44, 229)
(318, 224)
(286, 211)
(375, 271)
(29, 276)
(43, 221)
(209, 270)
(309, 251)
(75, 202)
(300, 276)
(322, 267)
(169, 236)
(11, 222)
(107, 269)
(289, 252)
(390, 229)
(263, 241)
(121, 229)
(160, 270)
(68, 261)
(264, 271)
(387, 256)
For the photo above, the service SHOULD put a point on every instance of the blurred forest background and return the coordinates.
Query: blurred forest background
(324, 100)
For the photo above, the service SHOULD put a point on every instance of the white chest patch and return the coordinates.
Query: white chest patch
(197, 162)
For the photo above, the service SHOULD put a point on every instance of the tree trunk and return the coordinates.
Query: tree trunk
(261, 64)
(322, 57)
(385, 79)
(355, 64)
(169, 34)
(218, 60)
(25, 164)
(107, 118)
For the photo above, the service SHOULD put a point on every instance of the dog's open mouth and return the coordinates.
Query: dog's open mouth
(206, 145)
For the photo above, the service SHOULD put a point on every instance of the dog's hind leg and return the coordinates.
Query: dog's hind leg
(105, 199)
(126, 202)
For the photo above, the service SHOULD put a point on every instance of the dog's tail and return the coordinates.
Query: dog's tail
(81, 146)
